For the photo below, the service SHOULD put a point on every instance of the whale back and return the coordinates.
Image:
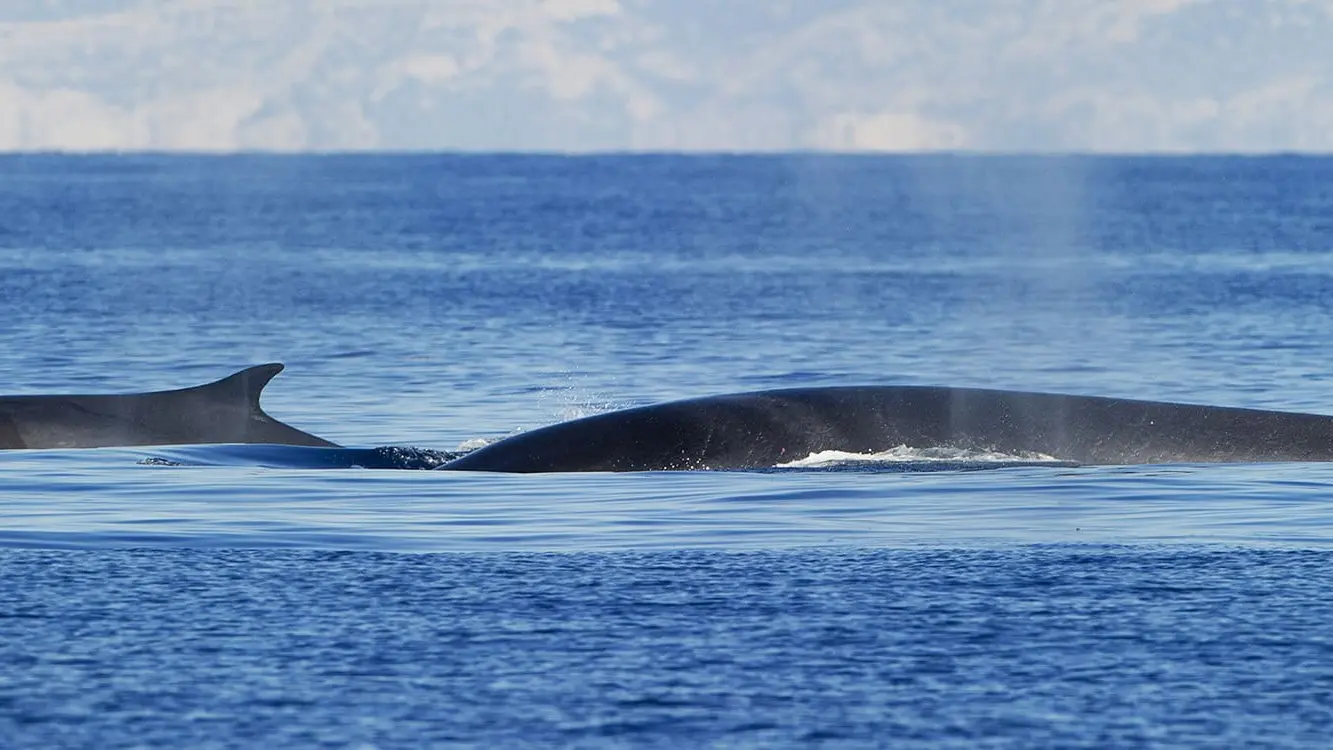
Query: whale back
(763, 429)
(225, 411)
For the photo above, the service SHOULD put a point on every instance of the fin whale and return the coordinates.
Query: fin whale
(225, 411)
(735, 431)
(763, 429)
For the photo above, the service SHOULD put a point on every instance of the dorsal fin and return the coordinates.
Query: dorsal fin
(224, 411)
(245, 387)
(247, 384)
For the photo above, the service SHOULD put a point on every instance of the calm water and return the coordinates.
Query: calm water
(241, 596)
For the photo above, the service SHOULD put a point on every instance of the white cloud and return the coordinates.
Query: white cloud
(1090, 75)
(886, 131)
(64, 119)
(431, 68)
(1129, 15)
(665, 65)
(284, 131)
(1284, 114)
(570, 10)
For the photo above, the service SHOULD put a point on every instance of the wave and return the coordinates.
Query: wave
(904, 458)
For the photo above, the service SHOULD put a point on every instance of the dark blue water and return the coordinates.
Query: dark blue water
(241, 596)
(1035, 647)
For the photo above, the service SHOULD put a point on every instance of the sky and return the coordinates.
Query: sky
(1138, 76)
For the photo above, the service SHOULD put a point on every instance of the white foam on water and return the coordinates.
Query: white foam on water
(474, 444)
(904, 454)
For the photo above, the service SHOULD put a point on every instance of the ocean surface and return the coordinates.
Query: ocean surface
(260, 596)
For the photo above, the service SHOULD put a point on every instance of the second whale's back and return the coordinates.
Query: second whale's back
(762, 429)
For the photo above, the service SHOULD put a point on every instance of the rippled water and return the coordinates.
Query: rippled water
(433, 301)
(52, 504)
(1045, 647)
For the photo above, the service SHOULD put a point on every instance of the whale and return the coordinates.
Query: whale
(739, 431)
(765, 429)
(225, 411)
